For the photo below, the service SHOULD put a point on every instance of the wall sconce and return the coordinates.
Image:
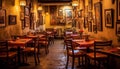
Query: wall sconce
(22, 3)
(40, 8)
(75, 3)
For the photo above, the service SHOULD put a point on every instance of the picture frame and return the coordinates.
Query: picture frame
(118, 10)
(27, 11)
(53, 15)
(2, 17)
(98, 15)
(118, 28)
(32, 21)
(0, 4)
(85, 22)
(23, 24)
(90, 26)
(22, 15)
(94, 28)
(90, 4)
(12, 19)
(80, 12)
(27, 21)
(90, 16)
(60, 13)
(109, 18)
(68, 16)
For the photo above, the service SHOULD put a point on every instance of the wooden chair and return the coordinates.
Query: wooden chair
(32, 49)
(71, 52)
(44, 42)
(7, 57)
(97, 56)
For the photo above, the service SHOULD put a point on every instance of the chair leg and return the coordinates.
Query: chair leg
(79, 61)
(38, 57)
(67, 62)
(73, 60)
(35, 58)
(82, 60)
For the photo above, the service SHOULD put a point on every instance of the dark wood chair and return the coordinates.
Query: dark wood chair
(32, 49)
(96, 56)
(72, 52)
(43, 42)
(7, 57)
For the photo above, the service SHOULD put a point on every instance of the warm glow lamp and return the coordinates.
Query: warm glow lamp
(22, 3)
(40, 8)
(75, 3)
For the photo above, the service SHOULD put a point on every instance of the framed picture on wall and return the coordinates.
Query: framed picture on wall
(98, 15)
(27, 21)
(118, 28)
(68, 16)
(118, 10)
(94, 28)
(22, 15)
(0, 3)
(60, 13)
(27, 11)
(90, 26)
(12, 19)
(2, 17)
(90, 4)
(109, 18)
(80, 13)
(23, 24)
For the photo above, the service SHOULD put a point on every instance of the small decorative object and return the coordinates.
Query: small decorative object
(12, 19)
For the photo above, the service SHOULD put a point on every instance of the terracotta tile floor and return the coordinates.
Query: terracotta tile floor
(56, 59)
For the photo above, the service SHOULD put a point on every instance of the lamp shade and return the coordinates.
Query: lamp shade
(22, 3)
(75, 3)
(40, 8)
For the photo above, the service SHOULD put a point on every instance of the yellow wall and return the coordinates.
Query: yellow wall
(12, 7)
(108, 33)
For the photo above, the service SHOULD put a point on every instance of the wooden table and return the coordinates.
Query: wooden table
(83, 43)
(19, 43)
(112, 51)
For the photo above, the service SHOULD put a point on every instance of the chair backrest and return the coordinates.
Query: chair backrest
(100, 45)
(4, 47)
(69, 46)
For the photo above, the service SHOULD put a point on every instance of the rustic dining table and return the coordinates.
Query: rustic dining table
(19, 43)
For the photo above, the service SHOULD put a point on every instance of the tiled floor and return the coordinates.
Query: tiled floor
(56, 59)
